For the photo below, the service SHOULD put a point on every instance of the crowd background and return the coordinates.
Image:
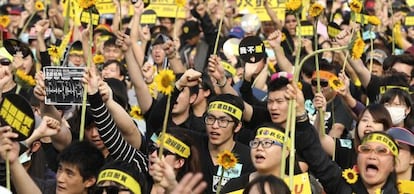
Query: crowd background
(233, 78)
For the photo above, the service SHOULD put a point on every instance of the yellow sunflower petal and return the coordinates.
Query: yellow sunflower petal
(98, 59)
(355, 6)
(165, 81)
(336, 83)
(358, 48)
(39, 6)
(226, 159)
(293, 5)
(4, 21)
(350, 176)
(316, 9)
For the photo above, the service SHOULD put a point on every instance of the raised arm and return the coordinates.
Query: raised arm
(272, 15)
(283, 62)
(124, 122)
(134, 69)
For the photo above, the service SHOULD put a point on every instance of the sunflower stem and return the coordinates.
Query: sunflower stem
(164, 126)
(218, 33)
(218, 190)
(8, 171)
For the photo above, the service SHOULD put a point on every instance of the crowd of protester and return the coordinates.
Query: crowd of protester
(354, 121)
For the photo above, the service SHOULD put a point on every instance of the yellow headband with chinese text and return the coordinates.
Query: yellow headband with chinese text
(383, 139)
(229, 68)
(271, 133)
(121, 178)
(226, 108)
(175, 145)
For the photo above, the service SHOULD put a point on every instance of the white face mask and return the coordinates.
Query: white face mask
(25, 157)
(397, 114)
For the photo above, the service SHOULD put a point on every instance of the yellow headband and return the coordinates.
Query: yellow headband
(228, 68)
(4, 53)
(175, 145)
(75, 52)
(380, 138)
(226, 108)
(121, 178)
(384, 89)
(271, 133)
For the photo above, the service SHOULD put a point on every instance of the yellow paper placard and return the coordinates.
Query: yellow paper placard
(409, 21)
(306, 30)
(85, 17)
(333, 32)
(301, 184)
(410, 3)
(149, 19)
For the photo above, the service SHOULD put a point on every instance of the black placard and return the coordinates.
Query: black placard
(16, 112)
(63, 85)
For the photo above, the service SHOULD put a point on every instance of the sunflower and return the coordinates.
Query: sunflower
(350, 175)
(4, 21)
(85, 4)
(283, 36)
(136, 112)
(55, 53)
(98, 59)
(374, 20)
(226, 159)
(300, 85)
(293, 5)
(23, 78)
(358, 48)
(180, 3)
(165, 81)
(39, 6)
(335, 83)
(316, 9)
(356, 6)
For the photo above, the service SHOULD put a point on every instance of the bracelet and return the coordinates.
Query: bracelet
(223, 84)
(302, 117)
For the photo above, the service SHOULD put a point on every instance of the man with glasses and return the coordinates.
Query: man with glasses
(223, 121)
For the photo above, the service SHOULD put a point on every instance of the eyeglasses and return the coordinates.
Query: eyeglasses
(265, 143)
(366, 149)
(5, 61)
(324, 83)
(152, 148)
(112, 189)
(222, 122)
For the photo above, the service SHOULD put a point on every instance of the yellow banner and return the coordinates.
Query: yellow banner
(166, 8)
(257, 7)
(301, 184)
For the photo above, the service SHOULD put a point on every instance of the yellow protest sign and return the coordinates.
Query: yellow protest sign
(257, 7)
(301, 184)
(361, 18)
(409, 20)
(166, 8)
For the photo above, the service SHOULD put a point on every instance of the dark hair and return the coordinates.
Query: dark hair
(110, 43)
(206, 84)
(192, 163)
(276, 185)
(130, 169)
(85, 156)
(277, 84)
(231, 99)
(391, 94)
(379, 113)
(121, 67)
(406, 59)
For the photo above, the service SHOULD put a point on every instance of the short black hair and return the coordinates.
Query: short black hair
(85, 156)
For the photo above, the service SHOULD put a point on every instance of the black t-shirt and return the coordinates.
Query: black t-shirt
(212, 173)
(236, 184)
(345, 155)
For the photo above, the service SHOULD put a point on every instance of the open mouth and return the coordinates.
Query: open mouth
(371, 170)
(259, 158)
